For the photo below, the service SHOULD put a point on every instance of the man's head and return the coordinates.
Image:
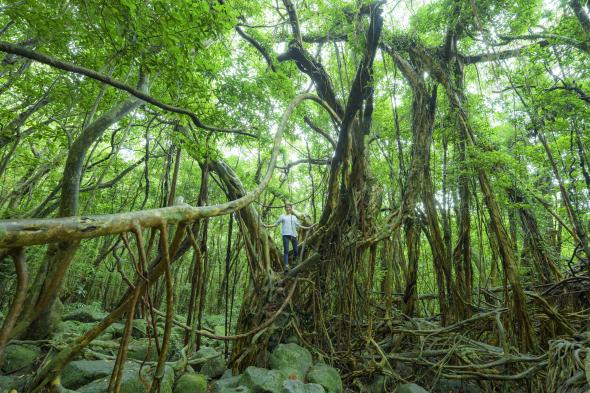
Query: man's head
(288, 208)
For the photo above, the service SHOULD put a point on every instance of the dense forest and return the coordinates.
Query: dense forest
(432, 157)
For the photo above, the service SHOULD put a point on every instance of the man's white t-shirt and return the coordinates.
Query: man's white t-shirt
(289, 224)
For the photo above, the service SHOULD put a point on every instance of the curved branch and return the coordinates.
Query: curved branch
(558, 39)
(17, 233)
(318, 130)
(258, 47)
(502, 55)
(313, 161)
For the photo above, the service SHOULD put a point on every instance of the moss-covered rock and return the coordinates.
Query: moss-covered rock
(236, 389)
(191, 383)
(410, 388)
(292, 359)
(261, 380)
(142, 349)
(85, 314)
(132, 382)
(139, 328)
(9, 383)
(296, 386)
(81, 372)
(214, 363)
(326, 376)
(116, 329)
(19, 358)
(224, 385)
(69, 329)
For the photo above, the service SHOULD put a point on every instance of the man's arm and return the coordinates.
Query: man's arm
(272, 225)
(299, 225)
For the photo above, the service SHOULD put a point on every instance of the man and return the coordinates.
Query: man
(289, 224)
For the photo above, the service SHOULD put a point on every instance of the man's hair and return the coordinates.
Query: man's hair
(287, 204)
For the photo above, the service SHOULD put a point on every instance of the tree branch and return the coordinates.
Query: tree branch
(258, 46)
(314, 161)
(318, 130)
(502, 55)
(65, 66)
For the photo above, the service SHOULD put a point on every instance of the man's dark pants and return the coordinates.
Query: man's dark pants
(286, 240)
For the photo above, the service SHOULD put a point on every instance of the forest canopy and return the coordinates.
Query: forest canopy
(434, 154)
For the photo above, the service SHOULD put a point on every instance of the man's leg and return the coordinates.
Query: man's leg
(295, 247)
(286, 251)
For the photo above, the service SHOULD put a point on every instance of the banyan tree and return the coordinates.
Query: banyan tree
(439, 148)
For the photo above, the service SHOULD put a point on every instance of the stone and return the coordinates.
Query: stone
(191, 383)
(9, 383)
(143, 349)
(214, 365)
(105, 337)
(261, 380)
(296, 386)
(237, 389)
(131, 381)
(410, 388)
(117, 329)
(139, 328)
(19, 358)
(293, 339)
(326, 376)
(70, 329)
(291, 358)
(81, 372)
(85, 314)
(225, 385)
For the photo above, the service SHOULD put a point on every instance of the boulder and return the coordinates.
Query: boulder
(81, 372)
(69, 329)
(214, 363)
(410, 388)
(139, 328)
(292, 359)
(85, 314)
(326, 376)
(237, 389)
(132, 382)
(226, 385)
(143, 349)
(116, 329)
(191, 383)
(19, 358)
(261, 380)
(9, 383)
(296, 386)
